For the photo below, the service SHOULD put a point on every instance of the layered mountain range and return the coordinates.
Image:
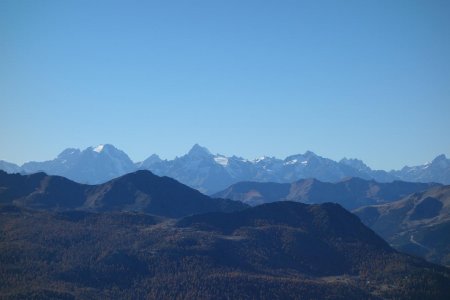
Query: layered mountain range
(142, 236)
(210, 173)
(413, 217)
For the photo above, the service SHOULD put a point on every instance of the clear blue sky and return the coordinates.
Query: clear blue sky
(365, 79)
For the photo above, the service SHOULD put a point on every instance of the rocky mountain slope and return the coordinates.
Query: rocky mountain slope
(418, 224)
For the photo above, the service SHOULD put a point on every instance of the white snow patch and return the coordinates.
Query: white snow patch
(291, 162)
(221, 160)
(260, 159)
(295, 161)
(99, 148)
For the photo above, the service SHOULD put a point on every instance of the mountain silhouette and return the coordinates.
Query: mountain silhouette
(140, 191)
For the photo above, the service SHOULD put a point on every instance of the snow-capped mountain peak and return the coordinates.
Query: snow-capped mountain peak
(99, 148)
(210, 173)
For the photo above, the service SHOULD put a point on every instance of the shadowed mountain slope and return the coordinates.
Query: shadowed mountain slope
(140, 191)
(280, 250)
(418, 224)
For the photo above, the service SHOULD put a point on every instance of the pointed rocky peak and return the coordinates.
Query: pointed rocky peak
(199, 151)
(441, 161)
(109, 157)
(153, 158)
(150, 161)
(309, 154)
(440, 158)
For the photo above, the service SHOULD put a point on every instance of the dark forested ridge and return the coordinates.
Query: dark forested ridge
(140, 191)
(280, 250)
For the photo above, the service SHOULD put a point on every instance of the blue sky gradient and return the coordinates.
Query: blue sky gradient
(364, 79)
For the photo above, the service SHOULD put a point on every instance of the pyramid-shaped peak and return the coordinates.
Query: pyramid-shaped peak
(439, 158)
(198, 150)
(309, 154)
(154, 158)
(441, 161)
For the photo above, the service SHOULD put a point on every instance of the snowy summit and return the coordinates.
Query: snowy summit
(99, 148)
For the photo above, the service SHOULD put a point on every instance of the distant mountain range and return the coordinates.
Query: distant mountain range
(211, 173)
(140, 191)
(351, 193)
(282, 250)
(418, 224)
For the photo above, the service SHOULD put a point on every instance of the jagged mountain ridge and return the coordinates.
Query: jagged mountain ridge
(210, 173)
